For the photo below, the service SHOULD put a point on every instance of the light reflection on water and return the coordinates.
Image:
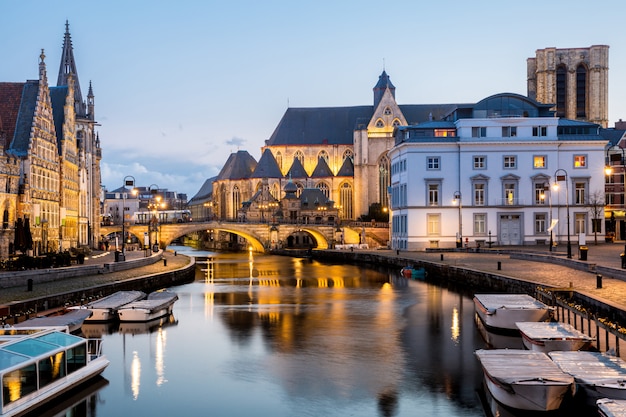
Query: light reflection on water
(280, 336)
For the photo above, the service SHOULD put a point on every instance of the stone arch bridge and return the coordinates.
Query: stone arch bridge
(260, 236)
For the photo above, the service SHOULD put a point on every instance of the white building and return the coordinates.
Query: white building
(486, 173)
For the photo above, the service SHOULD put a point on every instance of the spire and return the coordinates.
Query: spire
(90, 103)
(384, 83)
(67, 67)
(42, 68)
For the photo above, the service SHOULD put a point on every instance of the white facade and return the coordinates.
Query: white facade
(503, 169)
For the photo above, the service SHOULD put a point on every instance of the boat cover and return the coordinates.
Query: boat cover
(611, 408)
(551, 331)
(117, 299)
(155, 301)
(592, 368)
(71, 319)
(511, 366)
(492, 302)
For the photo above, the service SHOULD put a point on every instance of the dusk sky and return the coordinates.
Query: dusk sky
(179, 85)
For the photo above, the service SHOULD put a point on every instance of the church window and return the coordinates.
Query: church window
(581, 91)
(395, 123)
(561, 91)
(299, 156)
(299, 190)
(384, 180)
(236, 202)
(345, 200)
(323, 155)
(323, 187)
(380, 123)
(348, 154)
(387, 111)
(279, 160)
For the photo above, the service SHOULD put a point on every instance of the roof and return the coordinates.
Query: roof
(21, 139)
(614, 136)
(239, 166)
(267, 167)
(205, 192)
(313, 196)
(297, 170)
(58, 97)
(10, 99)
(347, 168)
(321, 169)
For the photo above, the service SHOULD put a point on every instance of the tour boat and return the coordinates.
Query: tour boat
(71, 318)
(548, 336)
(414, 272)
(597, 375)
(105, 308)
(39, 364)
(611, 408)
(524, 380)
(502, 311)
(158, 304)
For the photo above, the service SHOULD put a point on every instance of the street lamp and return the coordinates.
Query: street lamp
(129, 181)
(153, 206)
(546, 188)
(563, 177)
(457, 200)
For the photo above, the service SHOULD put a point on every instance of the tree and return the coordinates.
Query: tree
(596, 209)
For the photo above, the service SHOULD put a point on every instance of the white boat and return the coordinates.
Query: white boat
(611, 408)
(39, 364)
(548, 336)
(158, 304)
(524, 380)
(105, 308)
(598, 375)
(502, 311)
(72, 319)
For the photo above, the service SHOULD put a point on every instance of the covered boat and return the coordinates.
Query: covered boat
(72, 319)
(414, 272)
(158, 304)
(598, 375)
(611, 408)
(548, 336)
(105, 309)
(502, 311)
(39, 364)
(524, 380)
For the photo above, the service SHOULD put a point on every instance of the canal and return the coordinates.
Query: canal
(262, 335)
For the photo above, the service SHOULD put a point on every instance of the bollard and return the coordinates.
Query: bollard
(175, 253)
(164, 262)
(29, 284)
(598, 281)
(499, 265)
(442, 256)
(398, 252)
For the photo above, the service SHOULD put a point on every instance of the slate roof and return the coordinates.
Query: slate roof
(267, 167)
(347, 168)
(321, 169)
(21, 139)
(205, 192)
(239, 166)
(313, 196)
(58, 97)
(612, 135)
(10, 99)
(297, 170)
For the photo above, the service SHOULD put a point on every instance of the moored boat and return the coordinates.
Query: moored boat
(72, 319)
(500, 312)
(158, 304)
(39, 364)
(598, 375)
(414, 272)
(105, 308)
(611, 408)
(549, 336)
(524, 380)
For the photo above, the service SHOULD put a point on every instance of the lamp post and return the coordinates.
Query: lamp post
(153, 206)
(546, 187)
(561, 175)
(129, 181)
(457, 200)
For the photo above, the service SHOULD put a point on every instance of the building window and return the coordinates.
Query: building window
(539, 161)
(510, 162)
(395, 123)
(480, 162)
(579, 223)
(479, 132)
(509, 194)
(579, 192)
(345, 200)
(279, 160)
(380, 123)
(540, 223)
(480, 223)
(540, 131)
(299, 155)
(323, 155)
(384, 180)
(432, 163)
(479, 194)
(540, 194)
(580, 161)
(509, 131)
(433, 194)
(433, 222)
(561, 90)
(387, 111)
(348, 154)
(581, 91)
(323, 187)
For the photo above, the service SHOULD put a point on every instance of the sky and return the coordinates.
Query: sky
(180, 85)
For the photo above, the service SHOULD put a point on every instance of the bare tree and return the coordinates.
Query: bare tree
(596, 209)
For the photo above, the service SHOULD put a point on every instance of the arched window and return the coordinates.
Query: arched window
(236, 202)
(581, 91)
(396, 122)
(279, 160)
(299, 155)
(274, 191)
(323, 187)
(324, 155)
(384, 180)
(5, 219)
(299, 190)
(348, 154)
(345, 200)
(387, 111)
(380, 123)
(561, 91)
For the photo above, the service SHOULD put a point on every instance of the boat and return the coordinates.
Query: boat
(414, 272)
(37, 365)
(500, 312)
(71, 318)
(611, 408)
(548, 336)
(524, 380)
(158, 304)
(105, 308)
(598, 375)
(151, 326)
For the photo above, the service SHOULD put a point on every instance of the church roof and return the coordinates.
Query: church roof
(347, 168)
(67, 68)
(58, 97)
(21, 139)
(322, 169)
(297, 170)
(204, 193)
(10, 99)
(267, 167)
(239, 166)
(384, 82)
(313, 196)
